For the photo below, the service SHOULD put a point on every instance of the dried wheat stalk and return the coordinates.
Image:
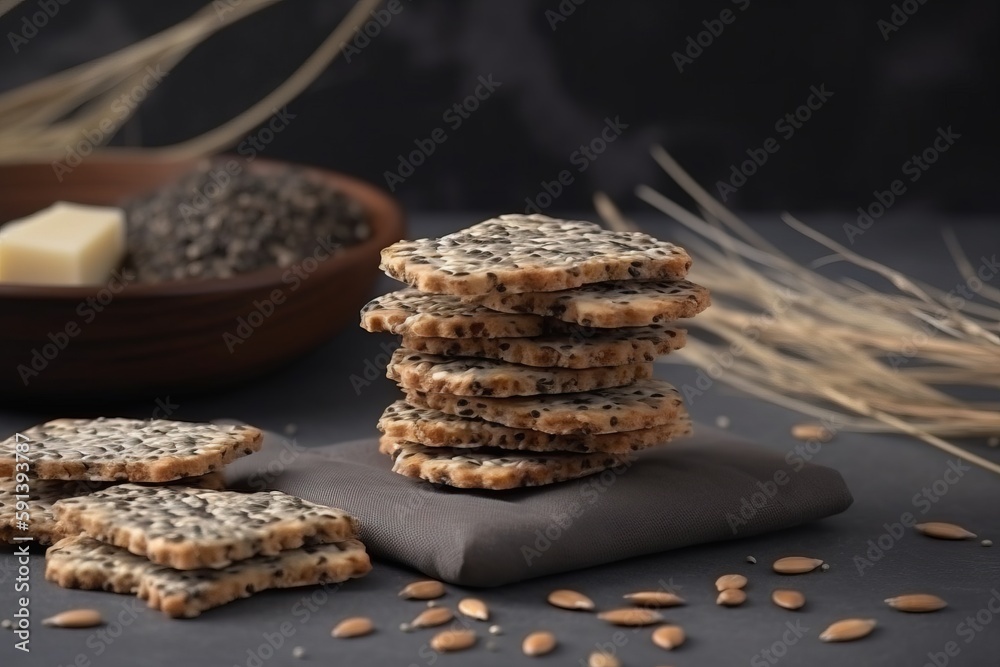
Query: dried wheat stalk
(840, 351)
(39, 120)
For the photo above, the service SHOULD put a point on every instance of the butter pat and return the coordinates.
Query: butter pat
(65, 244)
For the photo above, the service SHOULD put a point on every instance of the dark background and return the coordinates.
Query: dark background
(607, 59)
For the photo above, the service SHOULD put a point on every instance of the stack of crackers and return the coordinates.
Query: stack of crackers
(527, 350)
(138, 507)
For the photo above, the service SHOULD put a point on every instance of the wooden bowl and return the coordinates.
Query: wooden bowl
(76, 344)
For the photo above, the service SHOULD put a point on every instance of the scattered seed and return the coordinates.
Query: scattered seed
(722, 421)
(824, 567)
(796, 565)
(298, 652)
(987, 543)
(727, 581)
(539, 643)
(355, 626)
(602, 659)
(453, 640)
(788, 599)
(432, 617)
(6, 624)
(474, 608)
(422, 590)
(432, 603)
(496, 630)
(405, 627)
(848, 629)
(917, 602)
(631, 616)
(944, 531)
(751, 560)
(567, 599)
(654, 599)
(814, 432)
(668, 637)
(75, 618)
(731, 597)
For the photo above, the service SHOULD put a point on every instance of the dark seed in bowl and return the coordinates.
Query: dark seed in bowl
(214, 224)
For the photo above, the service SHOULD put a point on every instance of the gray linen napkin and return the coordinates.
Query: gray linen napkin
(704, 488)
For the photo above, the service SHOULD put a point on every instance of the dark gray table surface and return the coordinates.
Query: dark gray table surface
(870, 560)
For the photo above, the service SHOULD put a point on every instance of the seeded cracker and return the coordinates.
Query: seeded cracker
(519, 253)
(496, 470)
(488, 377)
(81, 562)
(115, 450)
(610, 304)
(187, 528)
(43, 493)
(585, 348)
(402, 421)
(644, 404)
(410, 311)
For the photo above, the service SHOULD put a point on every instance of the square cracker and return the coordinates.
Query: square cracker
(531, 253)
(186, 528)
(496, 470)
(488, 377)
(42, 494)
(134, 450)
(644, 404)
(402, 421)
(82, 562)
(583, 348)
(411, 311)
(619, 303)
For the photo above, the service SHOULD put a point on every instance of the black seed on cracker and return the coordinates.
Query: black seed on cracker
(187, 528)
(82, 562)
(530, 253)
(115, 449)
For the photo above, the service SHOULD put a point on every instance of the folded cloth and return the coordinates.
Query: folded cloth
(703, 488)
